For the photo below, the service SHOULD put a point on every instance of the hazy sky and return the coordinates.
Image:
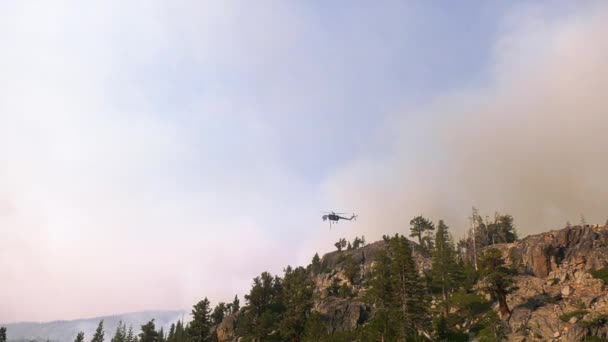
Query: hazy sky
(153, 153)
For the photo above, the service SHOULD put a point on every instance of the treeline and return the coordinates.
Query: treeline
(408, 304)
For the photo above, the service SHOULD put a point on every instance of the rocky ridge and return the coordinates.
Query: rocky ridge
(557, 298)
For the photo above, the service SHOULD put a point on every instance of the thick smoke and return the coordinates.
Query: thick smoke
(531, 142)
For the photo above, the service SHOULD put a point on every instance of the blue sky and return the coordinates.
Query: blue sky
(302, 82)
(192, 145)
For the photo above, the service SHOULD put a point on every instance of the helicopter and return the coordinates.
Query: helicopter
(334, 217)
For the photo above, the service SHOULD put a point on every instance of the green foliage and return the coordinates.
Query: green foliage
(334, 287)
(577, 313)
(98, 336)
(315, 265)
(233, 307)
(219, 312)
(298, 289)
(121, 333)
(345, 291)
(470, 275)
(199, 329)
(384, 326)
(469, 304)
(446, 273)
(440, 328)
(3, 334)
(180, 332)
(601, 274)
(419, 225)
(130, 336)
(264, 310)
(500, 230)
(596, 322)
(79, 337)
(314, 330)
(340, 244)
(351, 269)
(358, 242)
(409, 288)
(486, 233)
(497, 277)
(397, 294)
(594, 339)
(443, 330)
(148, 332)
(490, 328)
(171, 334)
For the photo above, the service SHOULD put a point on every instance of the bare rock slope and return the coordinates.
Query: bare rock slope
(557, 298)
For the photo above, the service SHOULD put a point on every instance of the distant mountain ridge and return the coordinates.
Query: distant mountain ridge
(66, 330)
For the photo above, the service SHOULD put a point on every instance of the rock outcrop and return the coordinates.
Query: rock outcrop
(225, 331)
(342, 314)
(557, 298)
(541, 254)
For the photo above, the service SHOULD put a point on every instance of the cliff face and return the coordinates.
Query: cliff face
(557, 299)
(547, 252)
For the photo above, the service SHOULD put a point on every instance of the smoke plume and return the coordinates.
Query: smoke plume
(530, 142)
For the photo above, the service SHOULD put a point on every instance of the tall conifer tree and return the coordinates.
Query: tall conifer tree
(148, 332)
(298, 290)
(445, 270)
(79, 337)
(99, 333)
(199, 329)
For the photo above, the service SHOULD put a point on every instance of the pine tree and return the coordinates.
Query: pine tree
(298, 290)
(79, 337)
(148, 332)
(445, 270)
(356, 242)
(383, 326)
(315, 330)
(161, 335)
(340, 244)
(199, 329)
(171, 335)
(498, 278)
(130, 337)
(99, 333)
(315, 265)
(235, 306)
(180, 334)
(2, 334)
(409, 289)
(351, 269)
(121, 333)
(217, 316)
(264, 309)
(419, 225)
